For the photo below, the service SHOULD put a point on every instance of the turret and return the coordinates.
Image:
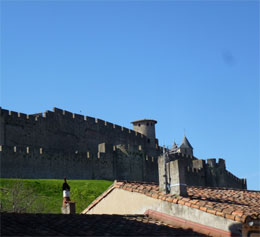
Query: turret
(185, 147)
(147, 128)
(174, 148)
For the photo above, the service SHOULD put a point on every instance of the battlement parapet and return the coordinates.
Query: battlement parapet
(78, 117)
(198, 164)
(18, 115)
(86, 122)
(235, 178)
(213, 163)
(197, 171)
(10, 113)
(109, 125)
(22, 116)
(179, 156)
(66, 114)
(26, 150)
(222, 163)
(48, 114)
(13, 114)
(58, 111)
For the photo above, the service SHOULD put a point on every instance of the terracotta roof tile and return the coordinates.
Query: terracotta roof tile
(232, 204)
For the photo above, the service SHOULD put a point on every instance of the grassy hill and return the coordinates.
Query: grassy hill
(45, 195)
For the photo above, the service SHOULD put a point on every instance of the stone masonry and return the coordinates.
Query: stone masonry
(59, 143)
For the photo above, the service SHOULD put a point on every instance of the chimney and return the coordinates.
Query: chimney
(69, 208)
(177, 177)
(172, 175)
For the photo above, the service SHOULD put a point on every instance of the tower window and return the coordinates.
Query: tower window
(147, 124)
(139, 124)
(148, 140)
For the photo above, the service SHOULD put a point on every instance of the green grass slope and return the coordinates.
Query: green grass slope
(45, 195)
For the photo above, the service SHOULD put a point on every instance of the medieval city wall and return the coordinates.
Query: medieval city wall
(109, 163)
(64, 130)
(59, 143)
(211, 173)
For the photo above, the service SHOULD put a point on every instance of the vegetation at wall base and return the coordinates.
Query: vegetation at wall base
(45, 195)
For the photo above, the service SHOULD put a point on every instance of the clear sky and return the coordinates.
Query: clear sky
(190, 65)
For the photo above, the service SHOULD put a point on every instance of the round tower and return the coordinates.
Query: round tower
(147, 128)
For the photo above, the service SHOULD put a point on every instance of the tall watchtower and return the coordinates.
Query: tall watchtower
(147, 128)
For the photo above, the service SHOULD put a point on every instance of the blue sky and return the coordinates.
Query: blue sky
(190, 65)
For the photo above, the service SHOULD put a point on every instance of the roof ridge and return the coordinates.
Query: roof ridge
(99, 198)
(224, 188)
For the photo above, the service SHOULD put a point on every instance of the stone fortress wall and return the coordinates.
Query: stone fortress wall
(110, 162)
(205, 173)
(63, 130)
(210, 173)
(59, 143)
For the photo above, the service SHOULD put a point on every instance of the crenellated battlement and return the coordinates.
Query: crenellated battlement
(177, 156)
(197, 171)
(107, 163)
(62, 129)
(27, 150)
(235, 178)
(214, 163)
(68, 115)
(59, 143)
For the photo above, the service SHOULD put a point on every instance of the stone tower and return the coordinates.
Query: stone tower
(147, 128)
(185, 147)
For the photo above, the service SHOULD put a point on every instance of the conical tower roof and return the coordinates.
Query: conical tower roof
(174, 146)
(185, 143)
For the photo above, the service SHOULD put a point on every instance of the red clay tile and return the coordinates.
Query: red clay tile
(211, 211)
(195, 206)
(231, 217)
(155, 196)
(220, 214)
(237, 213)
(228, 211)
(236, 204)
(194, 201)
(175, 200)
(181, 202)
(237, 218)
(203, 209)
(169, 199)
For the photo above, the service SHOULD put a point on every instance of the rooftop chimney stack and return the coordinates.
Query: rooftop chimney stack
(177, 176)
(162, 168)
(172, 175)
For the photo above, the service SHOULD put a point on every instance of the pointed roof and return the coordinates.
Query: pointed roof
(174, 147)
(185, 143)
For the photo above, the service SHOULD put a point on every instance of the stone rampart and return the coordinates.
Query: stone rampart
(195, 176)
(108, 163)
(64, 130)
(207, 173)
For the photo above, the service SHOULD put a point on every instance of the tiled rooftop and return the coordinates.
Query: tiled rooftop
(86, 225)
(238, 205)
